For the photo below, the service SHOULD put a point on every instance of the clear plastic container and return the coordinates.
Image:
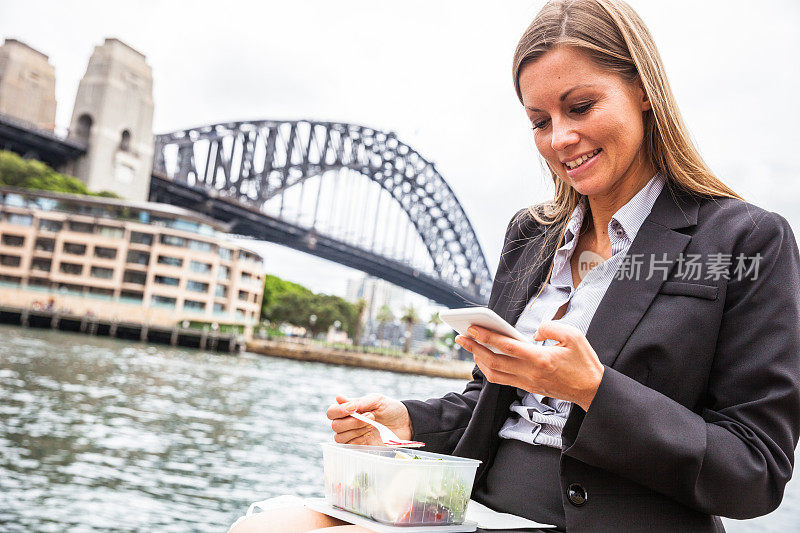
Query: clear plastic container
(399, 487)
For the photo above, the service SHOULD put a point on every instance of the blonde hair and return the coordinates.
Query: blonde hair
(615, 38)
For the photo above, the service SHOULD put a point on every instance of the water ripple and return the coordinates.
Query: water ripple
(102, 435)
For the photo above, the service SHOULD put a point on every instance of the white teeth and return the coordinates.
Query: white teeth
(581, 160)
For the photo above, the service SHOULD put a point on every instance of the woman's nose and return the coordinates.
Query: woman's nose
(563, 135)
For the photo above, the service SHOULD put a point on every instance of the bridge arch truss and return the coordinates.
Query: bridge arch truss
(259, 163)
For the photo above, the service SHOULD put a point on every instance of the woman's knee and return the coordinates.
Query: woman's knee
(297, 519)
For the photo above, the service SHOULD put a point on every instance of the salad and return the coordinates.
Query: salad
(409, 495)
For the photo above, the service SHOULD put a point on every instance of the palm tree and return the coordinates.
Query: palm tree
(435, 321)
(385, 316)
(409, 319)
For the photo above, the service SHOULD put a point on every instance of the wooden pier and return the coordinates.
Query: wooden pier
(90, 325)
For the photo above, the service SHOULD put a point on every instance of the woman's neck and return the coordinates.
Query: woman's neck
(603, 206)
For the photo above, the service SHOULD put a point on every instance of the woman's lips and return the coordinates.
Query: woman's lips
(585, 167)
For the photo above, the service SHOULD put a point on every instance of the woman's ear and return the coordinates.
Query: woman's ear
(645, 101)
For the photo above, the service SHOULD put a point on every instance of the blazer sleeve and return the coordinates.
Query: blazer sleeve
(733, 455)
(440, 422)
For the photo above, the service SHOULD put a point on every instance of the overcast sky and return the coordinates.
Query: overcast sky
(438, 74)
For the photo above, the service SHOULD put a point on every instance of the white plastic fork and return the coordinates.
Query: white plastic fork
(388, 436)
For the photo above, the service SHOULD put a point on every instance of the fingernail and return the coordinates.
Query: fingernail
(459, 341)
(472, 330)
(349, 406)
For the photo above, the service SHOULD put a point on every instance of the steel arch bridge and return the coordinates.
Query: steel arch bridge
(349, 193)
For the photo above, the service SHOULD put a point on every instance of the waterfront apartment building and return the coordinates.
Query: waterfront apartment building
(129, 261)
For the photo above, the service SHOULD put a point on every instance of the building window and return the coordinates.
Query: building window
(167, 280)
(81, 227)
(225, 254)
(10, 260)
(132, 276)
(138, 257)
(14, 200)
(39, 282)
(14, 280)
(194, 305)
(246, 278)
(223, 273)
(221, 291)
(249, 256)
(13, 240)
(199, 267)
(103, 252)
(74, 248)
(243, 295)
(102, 273)
(71, 268)
(219, 308)
(172, 240)
(125, 141)
(162, 301)
(50, 225)
(132, 296)
(41, 264)
(171, 261)
(196, 286)
(110, 231)
(200, 246)
(44, 245)
(108, 293)
(142, 238)
(20, 220)
(83, 128)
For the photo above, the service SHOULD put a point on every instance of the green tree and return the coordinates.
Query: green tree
(285, 301)
(31, 174)
(409, 318)
(273, 288)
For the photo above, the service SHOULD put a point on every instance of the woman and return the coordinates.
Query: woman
(663, 387)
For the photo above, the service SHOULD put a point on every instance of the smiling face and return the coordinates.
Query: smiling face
(588, 123)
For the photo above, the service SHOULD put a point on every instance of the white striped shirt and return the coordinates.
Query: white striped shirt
(536, 419)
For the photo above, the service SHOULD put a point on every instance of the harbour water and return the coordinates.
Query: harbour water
(97, 434)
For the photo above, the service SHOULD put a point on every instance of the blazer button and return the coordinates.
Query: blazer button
(577, 495)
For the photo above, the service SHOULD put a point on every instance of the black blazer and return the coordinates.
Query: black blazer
(698, 412)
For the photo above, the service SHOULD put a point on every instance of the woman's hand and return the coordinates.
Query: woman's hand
(568, 371)
(389, 412)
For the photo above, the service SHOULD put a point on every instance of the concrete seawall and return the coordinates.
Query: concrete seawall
(305, 352)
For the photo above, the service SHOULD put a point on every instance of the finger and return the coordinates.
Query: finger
(367, 403)
(493, 375)
(528, 351)
(497, 362)
(336, 410)
(564, 334)
(349, 423)
(355, 436)
(499, 341)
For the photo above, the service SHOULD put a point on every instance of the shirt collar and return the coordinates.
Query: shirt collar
(631, 216)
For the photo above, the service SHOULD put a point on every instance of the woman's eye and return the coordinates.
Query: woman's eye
(539, 124)
(583, 108)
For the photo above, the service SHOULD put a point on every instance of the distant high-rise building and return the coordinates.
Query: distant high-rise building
(27, 85)
(113, 115)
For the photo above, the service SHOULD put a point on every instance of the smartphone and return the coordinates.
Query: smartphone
(461, 319)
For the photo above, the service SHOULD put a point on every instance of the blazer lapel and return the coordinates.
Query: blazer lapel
(529, 273)
(629, 296)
